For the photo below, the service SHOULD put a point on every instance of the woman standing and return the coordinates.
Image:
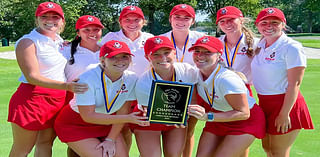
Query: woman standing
(41, 94)
(278, 69)
(93, 127)
(131, 22)
(239, 42)
(182, 17)
(160, 52)
(233, 118)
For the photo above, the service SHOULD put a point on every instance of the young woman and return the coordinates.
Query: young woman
(160, 52)
(239, 42)
(93, 127)
(83, 54)
(41, 94)
(233, 118)
(131, 22)
(182, 17)
(278, 69)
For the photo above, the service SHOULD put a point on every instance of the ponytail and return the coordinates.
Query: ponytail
(249, 39)
(74, 44)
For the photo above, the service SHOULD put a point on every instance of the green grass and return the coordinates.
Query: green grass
(6, 48)
(314, 43)
(303, 34)
(306, 145)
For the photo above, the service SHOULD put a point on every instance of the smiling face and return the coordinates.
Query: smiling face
(230, 25)
(162, 59)
(271, 27)
(50, 22)
(181, 21)
(132, 23)
(116, 64)
(90, 34)
(204, 59)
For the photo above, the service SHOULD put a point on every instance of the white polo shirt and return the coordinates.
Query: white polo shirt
(95, 94)
(84, 60)
(50, 60)
(193, 37)
(139, 63)
(184, 73)
(242, 62)
(225, 82)
(269, 67)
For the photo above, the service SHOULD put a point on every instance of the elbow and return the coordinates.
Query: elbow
(31, 78)
(245, 116)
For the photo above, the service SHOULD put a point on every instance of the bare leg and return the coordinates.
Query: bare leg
(208, 144)
(44, 143)
(233, 145)
(173, 142)
(148, 142)
(280, 145)
(71, 153)
(187, 152)
(127, 135)
(23, 141)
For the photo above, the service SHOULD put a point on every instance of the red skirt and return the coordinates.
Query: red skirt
(299, 115)
(34, 107)
(151, 127)
(255, 125)
(70, 127)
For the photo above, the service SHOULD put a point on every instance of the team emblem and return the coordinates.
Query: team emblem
(132, 8)
(205, 40)
(183, 6)
(270, 11)
(90, 19)
(223, 11)
(123, 87)
(273, 55)
(244, 49)
(117, 45)
(50, 5)
(158, 41)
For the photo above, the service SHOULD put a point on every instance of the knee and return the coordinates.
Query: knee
(45, 142)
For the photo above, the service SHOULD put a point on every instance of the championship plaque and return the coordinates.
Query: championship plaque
(168, 102)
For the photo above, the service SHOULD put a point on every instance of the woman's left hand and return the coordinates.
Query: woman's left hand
(283, 123)
(197, 111)
(108, 148)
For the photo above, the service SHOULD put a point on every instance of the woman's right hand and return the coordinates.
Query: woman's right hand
(108, 148)
(140, 120)
(78, 88)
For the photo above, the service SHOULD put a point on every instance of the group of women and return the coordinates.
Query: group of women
(111, 78)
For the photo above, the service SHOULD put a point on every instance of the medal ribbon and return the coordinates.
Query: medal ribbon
(155, 76)
(175, 46)
(105, 93)
(230, 62)
(210, 100)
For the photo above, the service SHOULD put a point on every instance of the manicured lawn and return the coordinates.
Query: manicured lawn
(306, 145)
(314, 43)
(6, 48)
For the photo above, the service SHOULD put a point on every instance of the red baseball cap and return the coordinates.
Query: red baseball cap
(270, 12)
(114, 47)
(86, 20)
(228, 11)
(131, 10)
(155, 43)
(49, 7)
(209, 42)
(183, 7)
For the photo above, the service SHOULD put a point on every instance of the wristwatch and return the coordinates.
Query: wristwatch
(210, 116)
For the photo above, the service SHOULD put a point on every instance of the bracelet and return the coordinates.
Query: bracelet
(109, 139)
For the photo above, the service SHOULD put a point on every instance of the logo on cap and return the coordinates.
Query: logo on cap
(205, 40)
(270, 11)
(117, 45)
(50, 5)
(223, 11)
(90, 19)
(183, 6)
(132, 8)
(158, 41)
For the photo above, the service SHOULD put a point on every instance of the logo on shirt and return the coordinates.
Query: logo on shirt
(123, 89)
(271, 57)
(243, 51)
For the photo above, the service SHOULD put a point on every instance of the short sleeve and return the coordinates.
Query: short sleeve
(231, 84)
(87, 98)
(295, 56)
